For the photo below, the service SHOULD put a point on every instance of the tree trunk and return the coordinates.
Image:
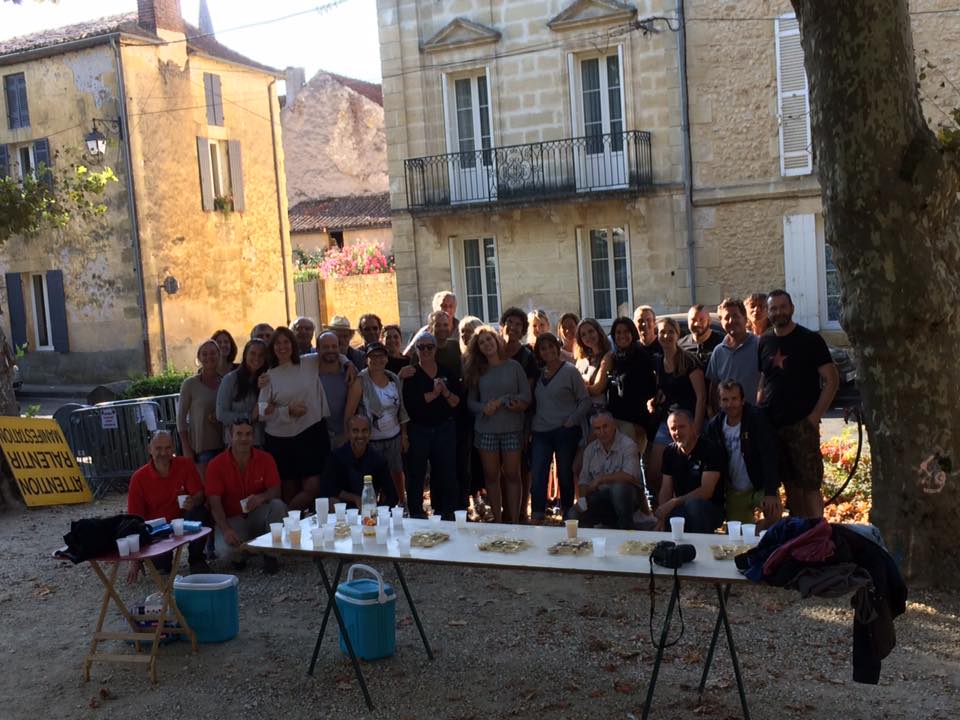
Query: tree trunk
(8, 401)
(889, 192)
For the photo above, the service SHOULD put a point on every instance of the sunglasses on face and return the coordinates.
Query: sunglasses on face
(426, 347)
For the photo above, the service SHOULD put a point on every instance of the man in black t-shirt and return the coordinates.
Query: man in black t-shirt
(797, 383)
(691, 486)
(701, 340)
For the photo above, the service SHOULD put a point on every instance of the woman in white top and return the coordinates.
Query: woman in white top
(296, 431)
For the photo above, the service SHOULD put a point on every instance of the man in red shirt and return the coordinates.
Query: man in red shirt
(153, 494)
(244, 472)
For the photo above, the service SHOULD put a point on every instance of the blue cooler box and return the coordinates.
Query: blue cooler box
(369, 611)
(210, 604)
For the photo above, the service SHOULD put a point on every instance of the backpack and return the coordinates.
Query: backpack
(92, 537)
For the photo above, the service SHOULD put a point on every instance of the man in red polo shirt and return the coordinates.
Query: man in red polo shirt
(153, 494)
(244, 472)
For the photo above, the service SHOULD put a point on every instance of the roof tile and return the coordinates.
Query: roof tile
(334, 213)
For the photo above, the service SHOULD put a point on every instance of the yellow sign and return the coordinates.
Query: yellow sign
(42, 463)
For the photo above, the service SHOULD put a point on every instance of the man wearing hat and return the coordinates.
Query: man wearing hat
(340, 326)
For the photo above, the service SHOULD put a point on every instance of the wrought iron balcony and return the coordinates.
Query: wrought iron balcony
(520, 173)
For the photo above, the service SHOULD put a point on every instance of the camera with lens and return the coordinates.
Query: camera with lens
(670, 555)
(615, 382)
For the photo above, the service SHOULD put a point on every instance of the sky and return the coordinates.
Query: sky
(342, 40)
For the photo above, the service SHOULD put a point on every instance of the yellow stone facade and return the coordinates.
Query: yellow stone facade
(233, 268)
(529, 52)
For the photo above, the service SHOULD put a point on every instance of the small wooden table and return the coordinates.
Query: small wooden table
(168, 609)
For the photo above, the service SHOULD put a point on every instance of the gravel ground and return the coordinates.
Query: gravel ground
(507, 645)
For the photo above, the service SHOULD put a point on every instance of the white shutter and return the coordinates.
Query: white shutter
(583, 269)
(793, 100)
(800, 268)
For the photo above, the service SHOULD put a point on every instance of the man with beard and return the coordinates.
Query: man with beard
(797, 383)
(701, 340)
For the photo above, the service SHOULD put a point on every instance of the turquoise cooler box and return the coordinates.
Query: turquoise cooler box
(369, 611)
(210, 604)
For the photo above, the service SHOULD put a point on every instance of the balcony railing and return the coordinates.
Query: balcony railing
(519, 173)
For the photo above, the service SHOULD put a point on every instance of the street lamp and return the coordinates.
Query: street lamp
(96, 141)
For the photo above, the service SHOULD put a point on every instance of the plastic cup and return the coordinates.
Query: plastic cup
(276, 532)
(353, 516)
(295, 514)
(600, 546)
(733, 530)
(403, 545)
(461, 518)
(177, 527)
(383, 516)
(322, 506)
(182, 500)
(749, 531)
(316, 537)
(289, 523)
(123, 547)
(572, 526)
(382, 534)
(383, 510)
(244, 505)
(356, 534)
(296, 534)
(340, 509)
(133, 542)
(676, 527)
(435, 519)
(328, 534)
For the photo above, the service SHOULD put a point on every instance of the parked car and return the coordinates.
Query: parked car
(17, 378)
(847, 394)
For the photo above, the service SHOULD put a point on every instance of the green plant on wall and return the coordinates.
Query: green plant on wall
(223, 203)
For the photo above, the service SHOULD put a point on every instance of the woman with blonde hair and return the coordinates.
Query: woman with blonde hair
(498, 396)
(593, 361)
(468, 325)
(539, 324)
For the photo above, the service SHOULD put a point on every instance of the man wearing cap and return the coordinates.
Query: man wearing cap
(304, 329)
(340, 326)
(244, 473)
(154, 491)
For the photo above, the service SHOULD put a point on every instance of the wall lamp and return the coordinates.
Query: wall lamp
(96, 140)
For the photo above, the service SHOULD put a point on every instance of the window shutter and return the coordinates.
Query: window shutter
(217, 101)
(793, 100)
(58, 311)
(800, 268)
(236, 175)
(41, 154)
(208, 98)
(206, 173)
(4, 162)
(18, 312)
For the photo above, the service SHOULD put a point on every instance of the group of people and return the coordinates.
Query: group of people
(625, 426)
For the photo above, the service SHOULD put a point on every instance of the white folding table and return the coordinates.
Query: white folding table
(462, 550)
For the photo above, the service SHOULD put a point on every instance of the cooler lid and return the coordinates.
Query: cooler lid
(363, 589)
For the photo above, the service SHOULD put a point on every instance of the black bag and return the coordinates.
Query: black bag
(93, 537)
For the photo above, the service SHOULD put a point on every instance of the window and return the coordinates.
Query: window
(476, 276)
(793, 101)
(468, 124)
(43, 334)
(810, 273)
(605, 286)
(23, 163)
(213, 98)
(831, 287)
(221, 175)
(15, 92)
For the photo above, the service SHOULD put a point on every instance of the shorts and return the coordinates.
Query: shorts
(801, 464)
(498, 442)
(300, 456)
(742, 503)
(390, 450)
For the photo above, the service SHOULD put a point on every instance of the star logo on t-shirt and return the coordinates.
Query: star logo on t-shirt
(779, 360)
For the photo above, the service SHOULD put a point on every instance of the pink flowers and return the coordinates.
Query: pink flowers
(362, 258)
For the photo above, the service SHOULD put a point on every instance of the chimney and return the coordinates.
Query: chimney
(154, 15)
(296, 79)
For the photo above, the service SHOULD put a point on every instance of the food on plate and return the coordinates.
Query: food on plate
(637, 547)
(498, 543)
(571, 546)
(428, 538)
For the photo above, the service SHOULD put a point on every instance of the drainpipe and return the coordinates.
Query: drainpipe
(285, 257)
(687, 158)
(132, 209)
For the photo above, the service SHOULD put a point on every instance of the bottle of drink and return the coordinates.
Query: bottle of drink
(368, 507)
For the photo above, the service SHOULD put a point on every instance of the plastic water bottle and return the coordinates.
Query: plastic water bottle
(368, 507)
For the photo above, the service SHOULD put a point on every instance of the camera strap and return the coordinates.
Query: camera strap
(674, 589)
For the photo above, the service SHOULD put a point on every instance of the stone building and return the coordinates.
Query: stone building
(341, 221)
(192, 130)
(594, 155)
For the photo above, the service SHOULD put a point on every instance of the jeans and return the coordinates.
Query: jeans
(700, 516)
(610, 506)
(253, 524)
(562, 443)
(438, 446)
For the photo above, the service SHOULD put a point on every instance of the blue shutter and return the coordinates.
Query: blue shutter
(41, 154)
(4, 162)
(58, 311)
(18, 312)
(15, 88)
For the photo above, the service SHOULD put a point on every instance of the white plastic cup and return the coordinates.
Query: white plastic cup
(749, 531)
(133, 542)
(383, 510)
(383, 516)
(600, 546)
(435, 519)
(572, 526)
(289, 523)
(316, 537)
(329, 534)
(676, 527)
(322, 506)
(397, 514)
(177, 527)
(382, 534)
(182, 500)
(356, 534)
(403, 545)
(295, 514)
(733, 530)
(276, 532)
(461, 518)
(353, 516)
(340, 509)
(296, 535)
(123, 547)
(244, 505)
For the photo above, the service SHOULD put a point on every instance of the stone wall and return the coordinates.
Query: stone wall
(316, 240)
(358, 294)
